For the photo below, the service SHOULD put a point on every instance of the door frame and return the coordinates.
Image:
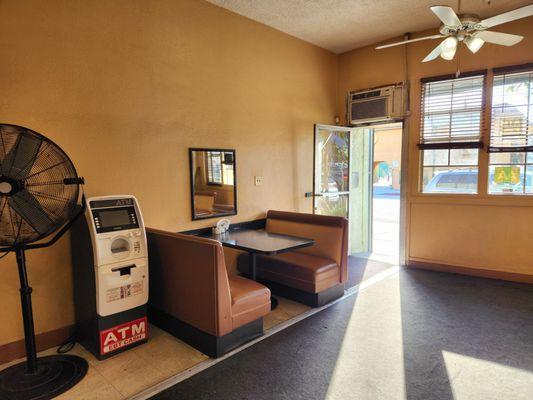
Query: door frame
(404, 160)
(404, 194)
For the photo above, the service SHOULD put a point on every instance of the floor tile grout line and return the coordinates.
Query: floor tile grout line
(181, 376)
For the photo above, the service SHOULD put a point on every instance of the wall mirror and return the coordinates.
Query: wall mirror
(213, 183)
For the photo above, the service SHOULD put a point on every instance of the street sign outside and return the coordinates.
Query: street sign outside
(507, 174)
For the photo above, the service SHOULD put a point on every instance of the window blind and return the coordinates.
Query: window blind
(214, 168)
(512, 112)
(452, 113)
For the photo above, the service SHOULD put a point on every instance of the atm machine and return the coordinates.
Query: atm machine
(110, 261)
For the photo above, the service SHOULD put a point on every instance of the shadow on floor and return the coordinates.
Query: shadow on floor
(362, 268)
(466, 337)
(277, 366)
(295, 363)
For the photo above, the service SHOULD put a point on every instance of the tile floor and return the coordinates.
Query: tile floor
(163, 356)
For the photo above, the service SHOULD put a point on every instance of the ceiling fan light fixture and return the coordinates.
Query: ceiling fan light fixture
(448, 48)
(474, 43)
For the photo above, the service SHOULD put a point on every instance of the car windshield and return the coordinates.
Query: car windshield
(463, 181)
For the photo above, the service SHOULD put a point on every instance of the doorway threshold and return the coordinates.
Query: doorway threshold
(384, 258)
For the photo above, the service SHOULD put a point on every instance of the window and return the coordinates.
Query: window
(220, 168)
(214, 168)
(450, 171)
(227, 169)
(451, 126)
(511, 134)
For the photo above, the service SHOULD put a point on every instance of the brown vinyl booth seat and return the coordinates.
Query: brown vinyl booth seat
(193, 298)
(313, 275)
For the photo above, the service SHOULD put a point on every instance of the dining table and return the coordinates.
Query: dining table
(259, 242)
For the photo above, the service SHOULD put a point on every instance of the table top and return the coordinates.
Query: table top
(260, 241)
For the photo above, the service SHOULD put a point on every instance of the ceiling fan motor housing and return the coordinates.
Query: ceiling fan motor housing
(469, 24)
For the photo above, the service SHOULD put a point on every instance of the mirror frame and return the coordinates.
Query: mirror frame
(191, 183)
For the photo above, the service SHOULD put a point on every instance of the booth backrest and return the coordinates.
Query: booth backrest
(189, 281)
(204, 201)
(329, 233)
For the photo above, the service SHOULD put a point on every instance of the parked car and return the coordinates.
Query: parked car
(453, 181)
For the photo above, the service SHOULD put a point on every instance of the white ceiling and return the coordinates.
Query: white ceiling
(342, 25)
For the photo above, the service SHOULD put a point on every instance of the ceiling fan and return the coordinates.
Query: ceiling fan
(470, 29)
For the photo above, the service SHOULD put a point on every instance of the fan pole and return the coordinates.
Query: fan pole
(27, 313)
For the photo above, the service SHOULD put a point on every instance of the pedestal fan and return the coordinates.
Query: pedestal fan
(39, 194)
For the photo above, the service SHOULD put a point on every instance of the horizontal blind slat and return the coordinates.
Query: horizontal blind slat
(452, 110)
(512, 111)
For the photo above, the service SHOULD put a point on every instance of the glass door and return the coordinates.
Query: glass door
(342, 179)
(332, 158)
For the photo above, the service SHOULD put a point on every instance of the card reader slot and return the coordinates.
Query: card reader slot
(119, 249)
(125, 270)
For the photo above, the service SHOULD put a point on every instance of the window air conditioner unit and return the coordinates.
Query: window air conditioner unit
(375, 105)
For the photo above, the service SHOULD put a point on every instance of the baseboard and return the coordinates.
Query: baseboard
(213, 346)
(483, 273)
(14, 350)
(309, 299)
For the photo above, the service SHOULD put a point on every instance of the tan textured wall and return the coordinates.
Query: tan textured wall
(388, 145)
(480, 231)
(126, 87)
(388, 148)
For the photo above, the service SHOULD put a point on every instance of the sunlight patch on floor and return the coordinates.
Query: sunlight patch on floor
(473, 378)
(370, 364)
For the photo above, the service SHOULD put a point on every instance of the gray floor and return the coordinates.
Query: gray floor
(360, 269)
(414, 335)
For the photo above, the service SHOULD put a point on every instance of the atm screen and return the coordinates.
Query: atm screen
(114, 218)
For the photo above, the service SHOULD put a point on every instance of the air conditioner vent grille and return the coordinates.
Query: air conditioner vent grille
(366, 95)
(369, 109)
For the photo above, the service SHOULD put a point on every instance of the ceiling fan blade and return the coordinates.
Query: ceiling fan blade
(446, 15)
(519, 13)
(503, 39)
(409, 41)
(434, 53)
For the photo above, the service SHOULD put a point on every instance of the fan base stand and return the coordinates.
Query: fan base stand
(54, 375)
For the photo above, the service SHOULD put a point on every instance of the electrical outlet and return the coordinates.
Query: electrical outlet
(258, 181)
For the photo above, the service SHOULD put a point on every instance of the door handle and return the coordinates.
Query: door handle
(311, 194)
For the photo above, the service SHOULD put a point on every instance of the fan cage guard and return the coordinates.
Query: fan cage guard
(40, 201)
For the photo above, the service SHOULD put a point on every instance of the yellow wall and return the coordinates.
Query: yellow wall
(480, 231)
(126, 87)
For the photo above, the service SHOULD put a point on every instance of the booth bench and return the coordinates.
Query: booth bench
(312, 275)
(193, 298)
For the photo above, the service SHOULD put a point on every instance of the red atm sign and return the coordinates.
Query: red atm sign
(123, 335)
